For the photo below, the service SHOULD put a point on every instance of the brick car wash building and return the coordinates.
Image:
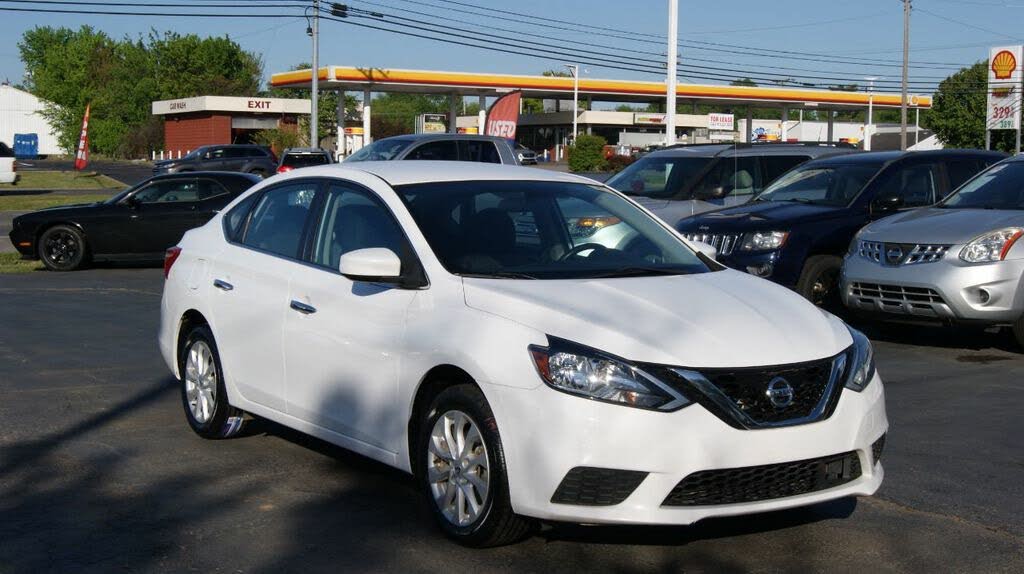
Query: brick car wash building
(204, 120)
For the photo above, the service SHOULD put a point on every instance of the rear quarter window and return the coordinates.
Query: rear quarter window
(234, 220)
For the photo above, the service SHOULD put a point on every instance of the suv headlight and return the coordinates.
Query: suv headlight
(862, 357)
(764, 240)
(992, 246)
(585, 372)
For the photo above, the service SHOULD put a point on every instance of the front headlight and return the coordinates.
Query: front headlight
(862, 362)
(589, 373)
(764, 240)
(992, 246)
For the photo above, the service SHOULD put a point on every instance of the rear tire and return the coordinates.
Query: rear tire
(819, 281)
(63, 248)
(203, 394)
(466, 486)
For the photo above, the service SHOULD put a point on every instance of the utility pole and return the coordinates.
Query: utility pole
(906, 66)
(670, 100)
(868, 129)
(314, 137)
(575, 69)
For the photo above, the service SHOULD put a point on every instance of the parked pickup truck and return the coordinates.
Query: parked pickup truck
(8, 171)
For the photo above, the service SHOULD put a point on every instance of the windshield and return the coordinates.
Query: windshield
(304, 159)
(543, 230)
(380, 150)
(1001, 187)
(835, 185)
(658, 177)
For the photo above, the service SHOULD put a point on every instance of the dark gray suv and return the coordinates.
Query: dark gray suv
(252, 159)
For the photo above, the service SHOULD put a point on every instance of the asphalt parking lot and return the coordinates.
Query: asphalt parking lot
(99, 471)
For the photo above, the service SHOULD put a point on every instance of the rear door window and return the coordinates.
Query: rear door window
(443, 150)
(209, 189)
(960, 170)
(480, 151)
(279, 219)
(732, 177)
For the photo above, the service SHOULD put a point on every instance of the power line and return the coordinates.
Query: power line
(161, 14)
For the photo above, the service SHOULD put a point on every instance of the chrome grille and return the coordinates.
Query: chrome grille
(901, 253)
(724, 243)
(896, 294)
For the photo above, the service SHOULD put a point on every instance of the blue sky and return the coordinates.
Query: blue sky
(944, 32)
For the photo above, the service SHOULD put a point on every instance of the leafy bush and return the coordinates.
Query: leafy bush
(587, 154)
(617, 163)
(277, 140)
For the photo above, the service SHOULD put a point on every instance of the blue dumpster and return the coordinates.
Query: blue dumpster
(26, 146)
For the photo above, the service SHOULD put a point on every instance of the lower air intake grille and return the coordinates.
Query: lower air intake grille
(587, 486)
(766, 482)
(877, 448)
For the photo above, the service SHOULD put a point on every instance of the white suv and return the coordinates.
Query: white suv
(457, 322)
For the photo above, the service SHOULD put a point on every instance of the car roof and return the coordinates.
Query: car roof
(411, 172)
(310, 150)
(443, 136)
(875, 157)
(749, 149)
(205, 174)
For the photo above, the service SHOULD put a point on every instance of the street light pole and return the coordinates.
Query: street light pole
(314, 139)
(906, 66)
(575, 69)
(670, 99)
(870, 128)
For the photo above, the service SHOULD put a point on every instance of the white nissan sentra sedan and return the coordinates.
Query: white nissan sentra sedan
(451, 320)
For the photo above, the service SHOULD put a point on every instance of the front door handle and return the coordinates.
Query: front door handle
(222, 285)
(302, 307)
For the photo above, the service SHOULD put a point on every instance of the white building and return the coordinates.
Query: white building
(19, 114)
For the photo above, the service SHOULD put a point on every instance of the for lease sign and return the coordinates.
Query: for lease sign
(1004, 87)
(722, 122)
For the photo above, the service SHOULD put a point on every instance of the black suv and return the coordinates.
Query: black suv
(253, 159)
(796, 231)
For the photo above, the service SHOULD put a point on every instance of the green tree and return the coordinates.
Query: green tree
(958, 111)
(120, 78)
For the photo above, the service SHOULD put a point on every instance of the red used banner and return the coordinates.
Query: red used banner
(82, 155)
(503, 116)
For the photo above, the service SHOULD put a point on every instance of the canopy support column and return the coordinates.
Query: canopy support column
(784, 135)
(453, 113)
(367, 139)
(339, 118)
(482, 115)
(831, 125)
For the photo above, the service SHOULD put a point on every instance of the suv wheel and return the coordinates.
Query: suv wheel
(62, 248)
(461, 468)
(1018, 331)
(819, 281)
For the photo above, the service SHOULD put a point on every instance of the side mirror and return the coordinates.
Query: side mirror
(132, 202)
(713, 193)
(374, 264)
(709, 251)
(886, 204)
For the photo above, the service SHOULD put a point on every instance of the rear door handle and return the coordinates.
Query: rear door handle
(302, 307)
(222, 285)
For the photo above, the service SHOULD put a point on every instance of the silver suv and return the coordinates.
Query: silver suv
(957, 261)
(439, 146)
(682, 181)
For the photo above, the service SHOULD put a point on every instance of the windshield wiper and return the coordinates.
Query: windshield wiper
(637, 272)
(501, 275)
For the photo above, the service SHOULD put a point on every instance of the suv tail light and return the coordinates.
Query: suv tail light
(170, 256)
(284, 169)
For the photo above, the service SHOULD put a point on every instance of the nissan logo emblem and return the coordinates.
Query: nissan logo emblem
(894, 254)
(780, 393)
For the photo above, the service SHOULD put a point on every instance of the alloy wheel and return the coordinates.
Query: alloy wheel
(61, 247)
(458, 468)
(201, 382)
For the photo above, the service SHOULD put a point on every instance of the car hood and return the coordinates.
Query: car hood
(719, 319)
(940, 225)
(761, 215)
(59, 209)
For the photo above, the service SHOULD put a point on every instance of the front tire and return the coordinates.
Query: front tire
(461, 468)
(1018, 332)
(63, 248)
(819, 281)
(203, 394)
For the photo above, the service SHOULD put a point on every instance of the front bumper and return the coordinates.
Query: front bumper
(23, 241)
(546, 434)
(947, 289)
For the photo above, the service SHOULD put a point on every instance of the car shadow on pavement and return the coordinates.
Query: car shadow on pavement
(938, 335)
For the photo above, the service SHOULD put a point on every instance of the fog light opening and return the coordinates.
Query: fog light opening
(984, 297)
(762, 270)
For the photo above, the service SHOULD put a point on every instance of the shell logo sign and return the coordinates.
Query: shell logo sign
(1003, 65)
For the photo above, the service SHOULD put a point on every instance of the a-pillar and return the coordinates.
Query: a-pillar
(749, 136)
(367, 138)
(784, 136)
(453, 113)
(482, 115)
(339, 118)
(831, 125)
